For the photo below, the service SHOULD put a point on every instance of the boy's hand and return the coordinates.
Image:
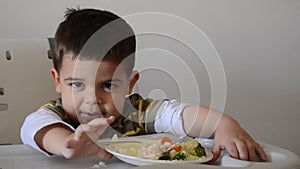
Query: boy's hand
(236, 141)
(83, 142)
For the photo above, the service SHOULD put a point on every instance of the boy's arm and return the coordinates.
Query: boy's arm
(228, 134)
(59, 140)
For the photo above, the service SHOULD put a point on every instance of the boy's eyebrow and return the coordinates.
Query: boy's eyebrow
(72, 78)
(113, 80)
(80, 79)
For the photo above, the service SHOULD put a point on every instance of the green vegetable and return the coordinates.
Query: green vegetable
(167, 156)
(198, 151)
(191, 150)
(179, 156)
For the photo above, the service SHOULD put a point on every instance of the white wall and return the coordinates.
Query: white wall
(258, 43)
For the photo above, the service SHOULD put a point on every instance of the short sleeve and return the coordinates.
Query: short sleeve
(35, 122)
(169, 118)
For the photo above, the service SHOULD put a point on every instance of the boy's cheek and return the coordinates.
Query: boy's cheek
(115, 109)
(118, 104)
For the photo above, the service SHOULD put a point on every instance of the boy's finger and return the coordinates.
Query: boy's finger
(251, 151)
(216, 152)
(96, 127)
(80, 130)
(103, 154)
(262, 155)
(98, 122)
(70, 144)
(242, 150)
(101, 121)
(110, 119)
(232, 150)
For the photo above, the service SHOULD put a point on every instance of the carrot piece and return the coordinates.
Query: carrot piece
(165, 139)
(176, 148)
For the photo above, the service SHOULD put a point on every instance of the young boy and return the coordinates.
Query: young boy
(94, 81)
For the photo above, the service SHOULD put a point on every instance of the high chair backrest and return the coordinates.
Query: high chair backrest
(25, 83)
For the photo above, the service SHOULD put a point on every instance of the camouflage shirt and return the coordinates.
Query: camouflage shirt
(137, 118)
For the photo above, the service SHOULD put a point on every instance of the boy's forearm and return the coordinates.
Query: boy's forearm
(193, 119)
(201, 121)
(226, 131)
(59, 140)
(52, 138)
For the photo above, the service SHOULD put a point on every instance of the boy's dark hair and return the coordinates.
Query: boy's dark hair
(95, 35)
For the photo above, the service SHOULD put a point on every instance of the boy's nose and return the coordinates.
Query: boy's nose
(92, 98)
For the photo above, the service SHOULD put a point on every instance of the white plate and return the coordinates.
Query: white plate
(142, 162)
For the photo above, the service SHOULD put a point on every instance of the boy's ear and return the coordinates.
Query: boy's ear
(133, 78)
(56, 79)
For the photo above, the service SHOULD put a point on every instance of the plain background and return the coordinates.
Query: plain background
(258, 42)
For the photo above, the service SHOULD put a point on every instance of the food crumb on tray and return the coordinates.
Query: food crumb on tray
(101, 164)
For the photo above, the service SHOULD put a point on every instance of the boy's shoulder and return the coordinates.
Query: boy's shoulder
(56, 107)
(138, 116)
(140, 104)
(137, 107)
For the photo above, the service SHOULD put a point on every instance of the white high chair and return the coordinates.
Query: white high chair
(25, 83)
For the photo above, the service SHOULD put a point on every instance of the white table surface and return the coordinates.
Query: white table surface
(24, 157)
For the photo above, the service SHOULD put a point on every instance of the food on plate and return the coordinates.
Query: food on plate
(166, 140)
(162, 149)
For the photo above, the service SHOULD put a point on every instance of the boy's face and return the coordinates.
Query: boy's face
(90, 89)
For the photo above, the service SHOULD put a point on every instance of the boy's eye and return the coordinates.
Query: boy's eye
(76, 84)
(109, 85)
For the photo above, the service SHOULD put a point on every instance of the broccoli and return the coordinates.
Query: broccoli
(165, 156)
(192, 149)
(198, 151)
(178, 156)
